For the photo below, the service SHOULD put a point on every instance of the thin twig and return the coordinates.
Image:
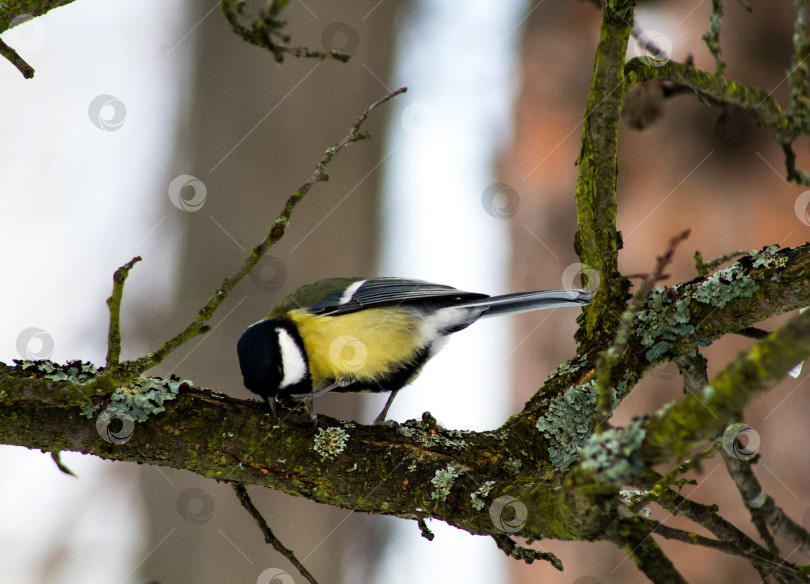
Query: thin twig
(56, 455)
(712, 36)
(707, 516)
(15, 59)
(114, 304)
(265, 30)
(507, 545)
(269, 536)
(763, 509)
(649, 557)
(610, 356)
(752, 332)
(692, 368)
(199, 325)
(799, 66)
(763, 564)
(704, 269)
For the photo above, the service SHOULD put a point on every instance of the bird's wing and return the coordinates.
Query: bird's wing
(377, 292)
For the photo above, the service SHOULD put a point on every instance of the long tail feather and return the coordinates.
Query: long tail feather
(527, 301)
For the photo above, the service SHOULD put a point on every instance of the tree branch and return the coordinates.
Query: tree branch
(676, 429)
(269, 536)
(597, 241)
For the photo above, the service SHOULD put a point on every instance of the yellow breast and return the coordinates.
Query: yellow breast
(360, 346)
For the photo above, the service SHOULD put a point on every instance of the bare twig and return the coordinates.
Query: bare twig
(265, 30)
(269, 536)
(15, 59)
(799, 66)
(56, 455)
(114, 304)
(649, 557)
(692, 368)
(707, 516)
(712, 36)
(704, 269)
(199, 325)
(752, 332)
(763, 509)
(764, 565)
(507, 545)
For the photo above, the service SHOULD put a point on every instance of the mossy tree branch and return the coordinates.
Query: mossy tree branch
(675, 431)
(419, 470)
(399, 468)
(597, 241)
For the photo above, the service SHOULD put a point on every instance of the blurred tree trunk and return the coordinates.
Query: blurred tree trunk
(242, 100)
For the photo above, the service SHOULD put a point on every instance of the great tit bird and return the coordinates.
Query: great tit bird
(355, 334)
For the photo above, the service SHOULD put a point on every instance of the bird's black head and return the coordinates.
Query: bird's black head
(273, 360)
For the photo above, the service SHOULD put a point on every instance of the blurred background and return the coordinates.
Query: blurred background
(151, 129)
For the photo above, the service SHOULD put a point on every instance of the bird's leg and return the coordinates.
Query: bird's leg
(308, 399)
(380, 420)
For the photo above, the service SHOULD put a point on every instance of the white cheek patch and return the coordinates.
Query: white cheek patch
(349, 292)
(293, 362)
